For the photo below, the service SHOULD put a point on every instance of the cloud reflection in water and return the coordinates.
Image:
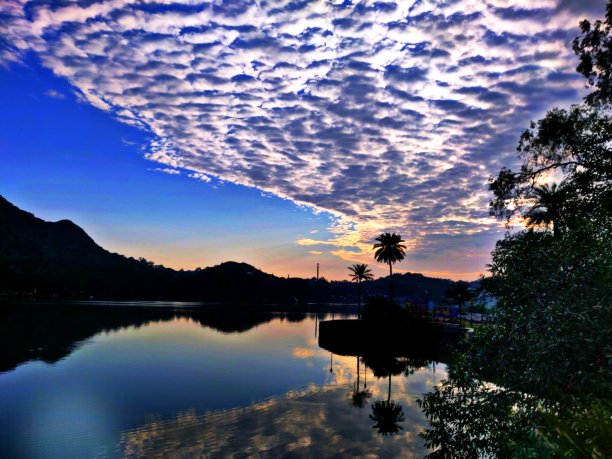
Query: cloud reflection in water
(314, 422)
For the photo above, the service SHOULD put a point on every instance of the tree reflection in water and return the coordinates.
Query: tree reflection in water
(359, 396)
(385, 359)
(51, 332)
(387, 415)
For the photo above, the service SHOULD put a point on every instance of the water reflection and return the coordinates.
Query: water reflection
(359, 394)
(193, 383)
(389, 351)
(49, 333)
(314, 422)
(387, 416)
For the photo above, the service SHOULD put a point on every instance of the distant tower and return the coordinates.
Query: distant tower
(317, 271)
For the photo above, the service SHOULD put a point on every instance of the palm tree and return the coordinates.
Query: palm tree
(461, 293)
(389, 249)
(547, 208)
(359, 273)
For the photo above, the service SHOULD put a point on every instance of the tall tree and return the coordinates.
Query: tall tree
(360, 273)
(548, 348)
(575, 142)
(389, 249)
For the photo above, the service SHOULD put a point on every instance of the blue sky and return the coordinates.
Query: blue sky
(277, 133)
(62, 158)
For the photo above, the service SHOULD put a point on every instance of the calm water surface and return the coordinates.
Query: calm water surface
(97, 382)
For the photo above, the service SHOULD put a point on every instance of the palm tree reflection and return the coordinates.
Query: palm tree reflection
(388, 416)
(359, 396)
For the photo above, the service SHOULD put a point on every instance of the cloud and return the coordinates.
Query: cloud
(303, 352)
(200, 176)
(55, 94)
(391, 116)
(300, 423)
(167, 170)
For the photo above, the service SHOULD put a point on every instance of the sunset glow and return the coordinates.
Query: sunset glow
(282, 133)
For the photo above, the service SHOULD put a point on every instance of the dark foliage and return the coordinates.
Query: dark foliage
(537, 381)
(594, 48)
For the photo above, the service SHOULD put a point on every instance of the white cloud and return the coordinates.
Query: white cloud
(200, 176)
(167, 170)
(55, 94)
(391, 118)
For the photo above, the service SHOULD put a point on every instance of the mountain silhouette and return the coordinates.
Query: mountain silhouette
(60, 260)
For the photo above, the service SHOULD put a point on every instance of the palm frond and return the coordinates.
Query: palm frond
(360, 272)
(389, 248)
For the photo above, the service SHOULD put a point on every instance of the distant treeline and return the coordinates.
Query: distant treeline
(60, 260)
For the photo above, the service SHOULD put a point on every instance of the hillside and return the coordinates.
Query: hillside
(59, 259)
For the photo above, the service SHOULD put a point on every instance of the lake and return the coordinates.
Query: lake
(174, 380)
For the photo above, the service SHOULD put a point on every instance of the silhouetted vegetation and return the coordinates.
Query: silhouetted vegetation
(359, 274)
(377, 309)
(549, 349)
(460, 293)
(547, 208)
(594, 48)
(59, 260)
(389, 249)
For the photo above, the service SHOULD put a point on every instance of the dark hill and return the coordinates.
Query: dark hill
(27, 242)
(59, 259)
(406, 287)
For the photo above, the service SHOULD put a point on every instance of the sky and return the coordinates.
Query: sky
(279, 133)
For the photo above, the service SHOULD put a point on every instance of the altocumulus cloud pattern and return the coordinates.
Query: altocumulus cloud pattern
(390, 115)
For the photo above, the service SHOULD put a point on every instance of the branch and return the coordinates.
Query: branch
(551, 166)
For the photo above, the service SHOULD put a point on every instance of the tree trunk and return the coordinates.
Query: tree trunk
(359, 301)
(357, 373)
(391, 284)
(389, 393)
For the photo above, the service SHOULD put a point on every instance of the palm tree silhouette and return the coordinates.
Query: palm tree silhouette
(547, 208)
(460, 292)
(389, 249)
(359, 273)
